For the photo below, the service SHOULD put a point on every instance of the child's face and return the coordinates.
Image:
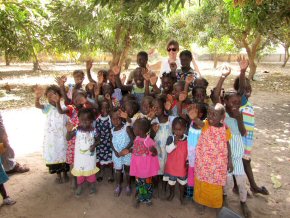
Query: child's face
(185, 61)
(105, 108)
(167, 84)
(248, 90)
(145, 107)
(199, 96)
(85, 121)
(112, 77)
(233, 103)
(138, 78)
(178, 130)
(129, 110)
(214, 116)
(141, 61)
(80, 101)
(177, 89)
(158, 108)
(50, 96)
(116, 120)
(79, 78)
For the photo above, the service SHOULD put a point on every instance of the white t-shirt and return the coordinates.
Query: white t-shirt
(166, 68)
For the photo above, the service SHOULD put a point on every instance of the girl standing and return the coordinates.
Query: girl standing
(54, 142)
(144, 163)
(85, 145)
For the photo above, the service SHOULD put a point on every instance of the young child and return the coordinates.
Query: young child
(144, 162)
(192, 140)
(104, 149)
(85, 134)
(212, 159)
(234, 120)
(142, 60)
(3, 176)
(139, 89)
(243, 86)
(161, 127)
(54, 141)
(172, 101)
(176, 166)
(122, 141)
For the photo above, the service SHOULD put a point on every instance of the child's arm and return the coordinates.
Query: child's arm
(189, 79)
(71, 131)
(38, 93)
(131, 136)
(113, 148)
(61, 83)
(153, 82)
(89, 65)
(230, 163)
(117, 71)
(154, 130)
(239, 117)
(193, 115)
(217, 90)
(60, 110)
(242, 81)
(146, 83)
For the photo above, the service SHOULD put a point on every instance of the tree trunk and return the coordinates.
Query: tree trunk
(286, 55)
(7, 58)
(253, 67)
(126, 49)
(215, 61)
(229, 58)
(115, 60)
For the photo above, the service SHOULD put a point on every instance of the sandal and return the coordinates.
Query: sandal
(8, 201)
(18, 169)
(117, 191)
(128, 190)
(262, 190)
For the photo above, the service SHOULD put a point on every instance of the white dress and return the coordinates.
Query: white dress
(84, 160)
(54, 141)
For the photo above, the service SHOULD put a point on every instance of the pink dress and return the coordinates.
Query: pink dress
(143, 164)
(212, 155)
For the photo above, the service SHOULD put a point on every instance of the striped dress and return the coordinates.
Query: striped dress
(249, 122)
(237, 145)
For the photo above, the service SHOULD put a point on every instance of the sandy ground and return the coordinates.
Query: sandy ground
(38, 196)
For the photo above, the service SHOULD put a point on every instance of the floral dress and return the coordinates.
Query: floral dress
(73, 115)
(212, 155)
(104, 150)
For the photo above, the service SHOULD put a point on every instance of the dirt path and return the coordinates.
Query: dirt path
(38, 196)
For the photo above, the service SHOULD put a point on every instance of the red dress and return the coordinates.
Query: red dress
(176, 160)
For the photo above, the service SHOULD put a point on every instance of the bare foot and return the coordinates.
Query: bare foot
(136, 203)
(246, 211)
(170, 197)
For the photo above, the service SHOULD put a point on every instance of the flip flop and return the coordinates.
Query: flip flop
(117, 191)
(262, 190)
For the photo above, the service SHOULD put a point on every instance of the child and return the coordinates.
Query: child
(192, 140)
(234, 121)
(144, 163)
(161, 126)
(167, 81)
(54, 141)
(176, 167)
(243, 86)
(85, 145)
(212, 157)
(172, 103)
(146, 109)
(122, 141)
(139, 89)
(185, 60)
(104, 149)
(3, 176)
(142, 59)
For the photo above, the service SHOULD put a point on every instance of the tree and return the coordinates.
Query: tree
(21, 30)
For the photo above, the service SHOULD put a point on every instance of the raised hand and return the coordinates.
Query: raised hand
(189, 79)
(123, 79)
(153, 80)
(38, 91)
(116, 70)
(153, 151)
(91, 86)
(151, 113)
(225, 71)
(243, 62)
(61, 80)
(168, 105)
(89, 64)
(123, 114)
(108, 97)
(182, 96)
(155, 127)
(55, 98)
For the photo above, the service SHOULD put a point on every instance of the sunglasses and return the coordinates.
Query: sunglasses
(171, 49)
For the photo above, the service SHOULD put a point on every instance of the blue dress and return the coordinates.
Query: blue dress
(3, 175)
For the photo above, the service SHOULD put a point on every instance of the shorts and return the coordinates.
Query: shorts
(172, 179)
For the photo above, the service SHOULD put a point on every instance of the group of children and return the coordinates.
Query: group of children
(158, 135)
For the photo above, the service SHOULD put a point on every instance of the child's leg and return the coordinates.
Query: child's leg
(92, 181)
(171, 182)
(241, 182)
(58, 179)
(229, 185)
(6, 199)
(118, 188)
(182, 183)
(101, 173)
(254, 187)
(111, 172)
(80, 181)
(128, 180)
